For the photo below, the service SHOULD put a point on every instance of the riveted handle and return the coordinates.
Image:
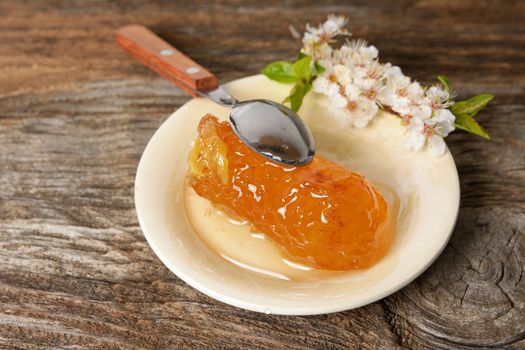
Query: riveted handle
(166, 60)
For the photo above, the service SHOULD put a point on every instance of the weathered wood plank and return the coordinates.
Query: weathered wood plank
(76, 113)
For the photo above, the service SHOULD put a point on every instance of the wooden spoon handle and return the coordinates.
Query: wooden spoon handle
(166, 60)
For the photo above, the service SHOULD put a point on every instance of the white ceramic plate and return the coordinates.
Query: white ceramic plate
(428, 188)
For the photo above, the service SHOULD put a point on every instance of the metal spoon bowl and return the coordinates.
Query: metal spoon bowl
(269, 128)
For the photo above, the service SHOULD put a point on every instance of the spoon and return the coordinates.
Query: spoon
(269, 128)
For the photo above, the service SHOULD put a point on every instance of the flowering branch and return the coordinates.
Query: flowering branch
(358, 86)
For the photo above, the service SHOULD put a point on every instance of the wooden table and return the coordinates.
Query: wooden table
(76, 113)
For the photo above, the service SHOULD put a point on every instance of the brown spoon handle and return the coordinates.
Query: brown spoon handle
(166, 60)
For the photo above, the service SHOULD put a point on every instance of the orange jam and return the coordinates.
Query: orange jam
(321, 215)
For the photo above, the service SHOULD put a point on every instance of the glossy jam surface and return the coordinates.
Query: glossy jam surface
(321, 215)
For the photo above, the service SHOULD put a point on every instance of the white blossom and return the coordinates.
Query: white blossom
(422, 111)
(335, 25)
(430, 132)
(326, 87)
(393, 72)
(352, 81)
(446, 121)
(355, 110)
(316, 40)
(369, 52)
(438, 98)
(357, 85)
(395, 95)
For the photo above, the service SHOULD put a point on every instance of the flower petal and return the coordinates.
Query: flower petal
(445, 115)
(365, 113)
(369, 52)
(339, 101)
(321, 85)
(415, 140)
(436, 145)
(352, 92)
(421, 112)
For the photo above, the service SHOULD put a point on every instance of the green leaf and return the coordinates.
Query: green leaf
(301, 55)
(301, 68)
(280, 71)
(318, 68)
(467, 123)
(444, 81)
(471, 106)
(300, 73)
(297, 94)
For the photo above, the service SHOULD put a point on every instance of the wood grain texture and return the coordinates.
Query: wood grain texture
(76, 113)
